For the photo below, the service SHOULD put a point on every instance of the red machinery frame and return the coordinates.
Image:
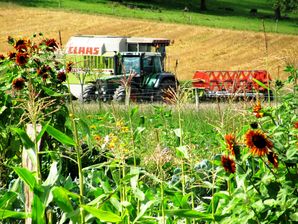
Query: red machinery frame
(231, 81)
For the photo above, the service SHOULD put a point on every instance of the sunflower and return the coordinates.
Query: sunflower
(44, 69)
(69, 66)
(21, 58)
(257, 110)
(21, 45)
(18, 83)
(61, 76)
(11, 55)
(228, 164)
(272, 158)
(50, 44)
(45, 76)
(232, 145)
(258, 143)
(34, 48)
(2, 57)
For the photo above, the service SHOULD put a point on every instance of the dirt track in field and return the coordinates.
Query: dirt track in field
(195, 48)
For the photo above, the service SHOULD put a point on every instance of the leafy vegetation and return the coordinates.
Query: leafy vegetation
(231, 14)
(139, 164)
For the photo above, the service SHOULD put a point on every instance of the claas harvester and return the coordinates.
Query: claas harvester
(122, 63)
(137, 64)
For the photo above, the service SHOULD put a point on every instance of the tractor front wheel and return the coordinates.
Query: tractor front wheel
(89, 93)
(120, 94)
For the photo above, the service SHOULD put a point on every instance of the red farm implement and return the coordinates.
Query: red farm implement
(237, 84)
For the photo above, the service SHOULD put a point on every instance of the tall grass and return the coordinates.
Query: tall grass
(199, 127)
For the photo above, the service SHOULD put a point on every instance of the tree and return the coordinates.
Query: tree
(284, 6)
(203, 6)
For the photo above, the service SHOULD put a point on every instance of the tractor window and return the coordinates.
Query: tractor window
(144, 48)
(131, 64)
(157, 65)
(132, 47)
(148, 65)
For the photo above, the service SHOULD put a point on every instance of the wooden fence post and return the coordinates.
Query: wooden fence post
(197, 99)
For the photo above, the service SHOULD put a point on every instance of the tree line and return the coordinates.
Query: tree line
(278, 6)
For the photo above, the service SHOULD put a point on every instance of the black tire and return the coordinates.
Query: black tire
(120, 94)
(166, 89)
(271, 97)
(89, 93)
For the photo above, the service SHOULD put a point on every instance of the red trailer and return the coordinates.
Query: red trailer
(242, 83)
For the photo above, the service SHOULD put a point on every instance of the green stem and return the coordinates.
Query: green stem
(213, 186)
(78, 154)
(249, 179)
(162, 203)
(181, 144)
(269, 168)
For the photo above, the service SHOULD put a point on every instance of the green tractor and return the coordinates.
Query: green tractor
(139, 74)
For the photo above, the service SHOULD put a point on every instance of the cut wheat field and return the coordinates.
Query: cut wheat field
(194, 47)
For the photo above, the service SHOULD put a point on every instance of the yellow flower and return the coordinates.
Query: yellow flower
(111, 145)
(97, 137)
(124, 129)
(92, 127)
(119, 124)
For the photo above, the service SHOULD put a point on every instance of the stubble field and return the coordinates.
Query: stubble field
(195, 48)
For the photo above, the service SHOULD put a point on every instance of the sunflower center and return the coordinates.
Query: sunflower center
(259, 141)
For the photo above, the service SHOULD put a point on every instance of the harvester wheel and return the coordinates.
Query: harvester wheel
(166, 91)
(89, 93)
(271, 97)
(120, 94)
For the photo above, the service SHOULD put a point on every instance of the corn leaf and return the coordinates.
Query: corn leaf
(60, 136)
(50, 92)
(2, 109)
(43, 130)
(144, 208)
(24, 138)
(38, 211)
(261, 84)
(104, 216)
(26, 176)
(7, 198)
(53, 175)
(4, 214)
(187, 213)
(61, 198)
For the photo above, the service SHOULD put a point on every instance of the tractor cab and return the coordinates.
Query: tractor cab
(142, 72)
(138, 63)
